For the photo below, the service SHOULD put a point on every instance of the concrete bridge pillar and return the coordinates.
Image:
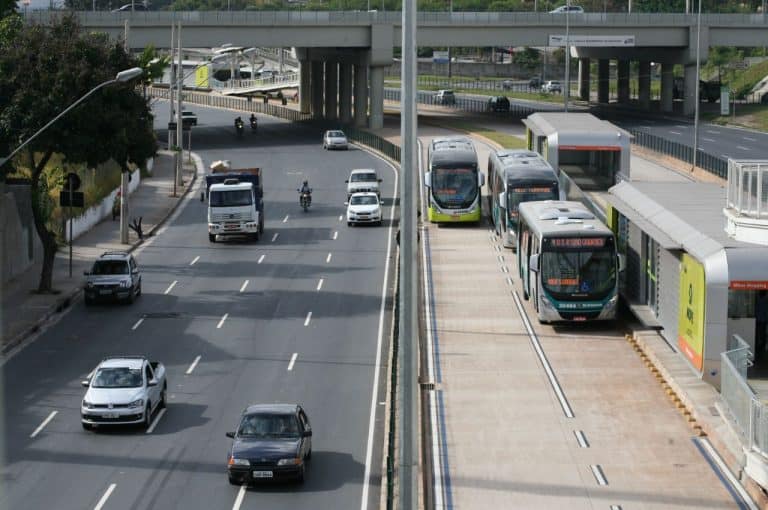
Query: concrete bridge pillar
(331, 89)
(584, 92)
(603, 80)
(644, 84)
(361, 94)
(622, 75)
(305, 86)
(317, 89)
(377, 98)
(345, 92)
(667, 87)
(689, 89)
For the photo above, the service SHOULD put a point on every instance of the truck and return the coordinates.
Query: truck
(235, 201)
(708, 90)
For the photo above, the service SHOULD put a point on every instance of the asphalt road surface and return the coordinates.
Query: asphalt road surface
(242, 310)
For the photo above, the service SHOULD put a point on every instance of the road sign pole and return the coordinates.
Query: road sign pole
(71, 199)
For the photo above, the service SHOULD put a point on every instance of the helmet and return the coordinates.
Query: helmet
(306, 183)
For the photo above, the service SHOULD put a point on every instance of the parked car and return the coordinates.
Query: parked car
(362, 180)
(363, 208)
(114, 276)
(335, 139)
(498, 104)
(507, 84)
(272, 442)
(445, 97)
(572, 9)
(534, 83)
(188, 117)
(552, 86)
(123, 390)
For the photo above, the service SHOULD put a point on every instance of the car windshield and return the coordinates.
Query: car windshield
(364, 200)
(232, 198)
(117, 377)
(103, 267)
(268, 425)
(335, 134)
(364, 177)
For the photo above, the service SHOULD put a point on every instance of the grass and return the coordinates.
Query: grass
(536, 96)
(753, 116)
(503, 139)
(743, 82)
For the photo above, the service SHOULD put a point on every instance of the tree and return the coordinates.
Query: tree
(153, 66)
(45, 69)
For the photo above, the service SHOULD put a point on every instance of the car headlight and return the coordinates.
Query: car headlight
(238, 462)
(125, 283)
(87, 404)
(137, 403)
(296, 461)
(89, 285)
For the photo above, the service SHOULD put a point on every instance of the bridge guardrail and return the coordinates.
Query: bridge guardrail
(467, 104)
(712, 164)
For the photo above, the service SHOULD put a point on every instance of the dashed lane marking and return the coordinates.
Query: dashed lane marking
(105, 497)
(193, 365)
(171, 286)
(221, 322)
(42, 425)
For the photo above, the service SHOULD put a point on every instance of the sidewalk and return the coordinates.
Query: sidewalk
(24, 312)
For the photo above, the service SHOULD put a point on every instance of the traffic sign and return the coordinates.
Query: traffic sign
(72, 181)
(185, 125)
(78, 199)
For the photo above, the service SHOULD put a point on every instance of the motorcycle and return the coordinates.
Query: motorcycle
(239, 127)
(254, 125)
(305, 199)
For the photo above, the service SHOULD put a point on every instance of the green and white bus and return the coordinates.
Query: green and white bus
(568, 263)
(454, 181)
(516, 176)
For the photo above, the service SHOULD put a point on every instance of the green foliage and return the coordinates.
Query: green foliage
(7, 7)
(152, 64)
(528, 58)
(741, 84)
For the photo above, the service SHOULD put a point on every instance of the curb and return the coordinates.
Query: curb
(73, 296)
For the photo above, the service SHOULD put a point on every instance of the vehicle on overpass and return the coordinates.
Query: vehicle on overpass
(516, 176)
(453, 180)
(235, 201)
(568, 262)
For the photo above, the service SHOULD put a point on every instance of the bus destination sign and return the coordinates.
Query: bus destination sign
(577, 242)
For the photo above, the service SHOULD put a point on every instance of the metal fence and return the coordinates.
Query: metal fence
(467, 104)
(712, 164)
(748, 187)
(749, 413)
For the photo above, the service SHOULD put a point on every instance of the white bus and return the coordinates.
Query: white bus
(454, 181)
(568, 262)
(516, 176)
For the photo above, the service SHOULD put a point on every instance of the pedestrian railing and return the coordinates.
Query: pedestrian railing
(748, 188)
(747, 411)
(713, 164)
(288, 80)
(467, 104)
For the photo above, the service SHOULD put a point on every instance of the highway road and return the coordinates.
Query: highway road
(297, 317)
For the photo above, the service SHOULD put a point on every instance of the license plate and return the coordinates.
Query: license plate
(262, 474)
(579, 318)
(110, 415)
(105, 292)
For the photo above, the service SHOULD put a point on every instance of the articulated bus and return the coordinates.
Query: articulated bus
(454, 181)
(516, 176)
(568, 262)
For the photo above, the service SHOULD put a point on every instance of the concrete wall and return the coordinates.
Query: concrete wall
(19, 244)
(485, 70)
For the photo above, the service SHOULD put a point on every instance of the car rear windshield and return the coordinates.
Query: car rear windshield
(268, 425)
(366, 177)
(117, 377)
(110, 267)
(336, 134)
(364, 200)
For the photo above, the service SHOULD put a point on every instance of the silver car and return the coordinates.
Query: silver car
(335, 139)
(115, 276)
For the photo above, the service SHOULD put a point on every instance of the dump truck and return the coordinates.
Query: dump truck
(235, 201)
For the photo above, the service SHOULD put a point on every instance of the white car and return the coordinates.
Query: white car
(361, 180)
(335, 139)
(552, 86)
(364, 208)
(123, 390)
(571, 9)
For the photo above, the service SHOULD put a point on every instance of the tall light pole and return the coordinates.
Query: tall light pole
(122, 76)
(567, 86)
(696, 88)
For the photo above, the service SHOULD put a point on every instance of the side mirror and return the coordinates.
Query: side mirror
(85, 383)
(481, 179)
(503, 199)
(381, 180)
(230, 434)
(428, 179)
(533, 263)
(307, 433)
(346, 181)
(152, 382)
(622, 261)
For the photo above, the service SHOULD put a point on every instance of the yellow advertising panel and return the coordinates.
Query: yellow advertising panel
(529, 139)
(201, 77)
(690, 337)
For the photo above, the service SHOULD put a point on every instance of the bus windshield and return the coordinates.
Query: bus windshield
(527, 193)
(454, 188)
(578, 267)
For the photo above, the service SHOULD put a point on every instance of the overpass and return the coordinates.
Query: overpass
(343, 55)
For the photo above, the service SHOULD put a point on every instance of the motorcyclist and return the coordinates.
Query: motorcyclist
(254, 122)
(305, 193)
(305, 188)
(238, 122)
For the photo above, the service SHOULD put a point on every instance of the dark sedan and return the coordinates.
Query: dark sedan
(272, 442)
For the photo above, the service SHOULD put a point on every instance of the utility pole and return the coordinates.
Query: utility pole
(179, 126)
(171, 80)
(124, 175)
(696, 88)
(567, 85)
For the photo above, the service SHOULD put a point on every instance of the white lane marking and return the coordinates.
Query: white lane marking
(681, 126)
(615, 507)
(42, 425)
(742, 147)
(501, 258)
(221, 322)
(320, 284)
(336, 235)
(328, 258)
(138, 323)
(543, 359)
(713, 131)
(309, 318)
(750, 139)
(597, 471)
(105, 497)
(194, 260)
(293, 360)
(709, 139)
(285, 220)
(157, 420)
(504, 269)
(274, 237)
(509, 280)
(239, 498)
(245, 284)
(261, 259)
(377, 364)
(193, 365)
(726, 156)
(678, 133)
(341, 217)
(725, 470)
(171, 286)
(581, 438)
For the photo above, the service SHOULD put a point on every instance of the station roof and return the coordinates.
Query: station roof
(547, 123)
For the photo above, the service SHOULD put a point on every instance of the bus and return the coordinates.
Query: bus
(454, 181)
(516, 176)
(568, 262)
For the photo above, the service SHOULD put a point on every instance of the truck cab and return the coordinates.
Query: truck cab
(234, 208)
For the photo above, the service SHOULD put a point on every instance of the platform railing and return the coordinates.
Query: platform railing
(748, 187)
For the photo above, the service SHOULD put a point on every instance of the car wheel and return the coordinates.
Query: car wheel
(309, 454)
(138, 291)
(164, 396)
(212, 238)
(131, 296)
(87, 426)
(147, 416)
(300, 477)
(234, 481)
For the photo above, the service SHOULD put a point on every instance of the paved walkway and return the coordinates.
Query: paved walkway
(23, 310)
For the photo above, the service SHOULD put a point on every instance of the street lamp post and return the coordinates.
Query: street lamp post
(567, 87)
(696, 88)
